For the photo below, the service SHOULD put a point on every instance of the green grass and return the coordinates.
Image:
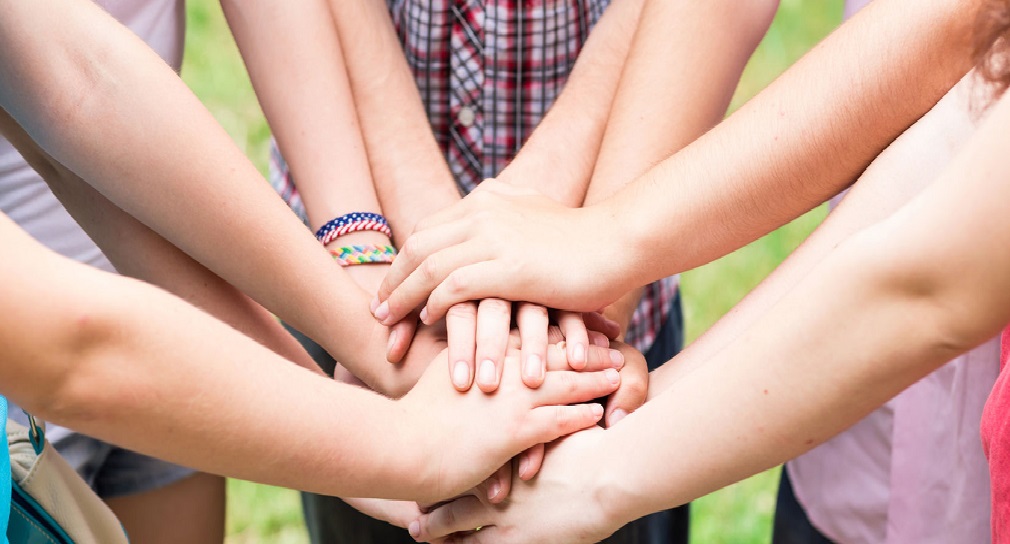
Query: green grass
(739, 514)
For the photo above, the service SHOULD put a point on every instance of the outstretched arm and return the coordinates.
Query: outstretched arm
(891, 304)
(129, 363)
(174, 169)
(793, 146)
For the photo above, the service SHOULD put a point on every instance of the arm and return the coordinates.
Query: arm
(563, 148)
(901, 172)
(411, 177)
(193, 191)
(794, 145)
(891, 304)
(672, 91)
(116, 358)
(139, 252)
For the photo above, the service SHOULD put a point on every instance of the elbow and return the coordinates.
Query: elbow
(75, 388)
(945, 313)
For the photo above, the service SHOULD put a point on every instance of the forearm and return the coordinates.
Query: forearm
(902, 171)
(104, 87)
(801, 140)
(297, 68)
(893, 303)
(139, 252)
(130, 364)
(565, 144)
(684, 64)
(411, 176)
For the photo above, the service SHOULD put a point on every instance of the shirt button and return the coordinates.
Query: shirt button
(466, 116)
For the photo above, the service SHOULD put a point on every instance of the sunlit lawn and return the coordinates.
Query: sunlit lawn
(739, 514)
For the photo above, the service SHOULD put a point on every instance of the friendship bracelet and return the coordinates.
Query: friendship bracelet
(363, 254)
(352, 222)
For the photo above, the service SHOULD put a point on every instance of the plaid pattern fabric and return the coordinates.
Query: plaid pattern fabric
(487, 71)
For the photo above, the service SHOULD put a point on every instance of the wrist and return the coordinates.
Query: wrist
(615, 496)
(608, 236)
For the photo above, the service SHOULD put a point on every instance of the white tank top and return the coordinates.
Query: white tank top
(26, 199)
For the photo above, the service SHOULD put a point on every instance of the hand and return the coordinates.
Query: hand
(563, 504)
(507, 242)
(467, 436)
(481, 333)
(395, 379)
(634, 389)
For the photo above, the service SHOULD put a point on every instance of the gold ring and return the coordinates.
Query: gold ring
(478, 528)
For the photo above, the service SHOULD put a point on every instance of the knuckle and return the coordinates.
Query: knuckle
(455, 283)
(462, 310)
(429, 268)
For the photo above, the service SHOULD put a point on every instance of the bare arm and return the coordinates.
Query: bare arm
(793, 146)
(131, 364)
(684, 63)
(410, 173)
(175, 169)
(559, 156)
(891, 304)
(901, 172)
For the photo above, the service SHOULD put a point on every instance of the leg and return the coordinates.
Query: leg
(189, 510)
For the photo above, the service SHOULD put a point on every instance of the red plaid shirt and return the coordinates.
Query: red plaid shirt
(488, 70)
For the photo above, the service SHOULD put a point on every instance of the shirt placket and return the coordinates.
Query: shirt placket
(466, 73)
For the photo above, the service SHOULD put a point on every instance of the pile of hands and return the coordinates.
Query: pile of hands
(540, 376)
(551, 369)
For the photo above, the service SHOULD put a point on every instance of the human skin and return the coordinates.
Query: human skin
(790, 148)
(893, 302)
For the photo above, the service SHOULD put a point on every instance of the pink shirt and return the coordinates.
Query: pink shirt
(996, 442)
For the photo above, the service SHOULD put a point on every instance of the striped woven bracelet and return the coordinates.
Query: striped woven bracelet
(363, 254)
(352, 222)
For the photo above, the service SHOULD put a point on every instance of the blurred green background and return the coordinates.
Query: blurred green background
(739, 514)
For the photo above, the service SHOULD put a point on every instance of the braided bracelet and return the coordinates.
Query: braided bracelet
(352, 222)
(363, 254)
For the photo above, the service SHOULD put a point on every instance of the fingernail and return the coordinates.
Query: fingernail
(612, 375)
(392, 340)
(616, 416)
(487, 372)
(461, 374)
(494, 491)
(414, 529)
(424, 315)
(524, 463)
(381, 311)
(373, 305)
(579, 353)
(617, 358)
(534, 366)
(597, 410)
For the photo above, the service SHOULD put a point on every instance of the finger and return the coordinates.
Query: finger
(418, 248)
(400, 337)
(533, 321)
(576, 338)
(530, 462)
(485, 279)
(500, 485)
(547, 423)
(461, 330)
(633, 391)
(554, 335)
(568, 387)
(460, 515)
(597, 358)
(598, 339)
(487, 535)
(494, 317)
(429, 273)
(596, 321)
